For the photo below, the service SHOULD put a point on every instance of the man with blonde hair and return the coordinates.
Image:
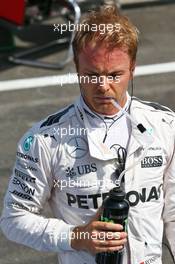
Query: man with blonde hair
(105, 47)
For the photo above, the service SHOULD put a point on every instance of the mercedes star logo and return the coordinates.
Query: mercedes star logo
(77, 147)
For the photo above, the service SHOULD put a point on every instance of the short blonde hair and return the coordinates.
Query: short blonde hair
(124, 36)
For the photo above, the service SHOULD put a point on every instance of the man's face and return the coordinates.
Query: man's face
(104, 73)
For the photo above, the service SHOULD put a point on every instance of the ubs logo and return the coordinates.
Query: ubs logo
(81, 170)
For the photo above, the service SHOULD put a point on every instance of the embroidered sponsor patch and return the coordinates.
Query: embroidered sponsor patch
(152, 161)
(27, 143)
(77, 147)
(81, 170)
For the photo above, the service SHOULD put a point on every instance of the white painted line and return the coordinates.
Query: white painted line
(155, 69)
(70, 78)
(21, 84)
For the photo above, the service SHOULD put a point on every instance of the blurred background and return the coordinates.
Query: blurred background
(34, 59)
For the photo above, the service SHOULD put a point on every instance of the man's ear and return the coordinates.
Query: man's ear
(132, 69)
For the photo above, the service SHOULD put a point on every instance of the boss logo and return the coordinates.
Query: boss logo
(152, 161)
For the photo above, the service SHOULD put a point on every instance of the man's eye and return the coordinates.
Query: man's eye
(93, 75)
(116, 75)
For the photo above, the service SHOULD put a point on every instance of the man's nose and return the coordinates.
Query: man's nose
(103, 83)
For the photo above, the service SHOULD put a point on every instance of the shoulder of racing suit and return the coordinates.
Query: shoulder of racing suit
(49, 127)
(153, 111)
(57, 117)
(46, 134)
(151, 106)
(159, 121)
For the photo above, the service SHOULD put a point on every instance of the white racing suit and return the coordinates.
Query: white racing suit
(65, 171)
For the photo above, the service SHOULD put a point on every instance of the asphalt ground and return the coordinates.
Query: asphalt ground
(19, 110)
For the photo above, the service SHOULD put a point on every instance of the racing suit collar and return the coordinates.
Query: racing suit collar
(96, 128)
(100, 119)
